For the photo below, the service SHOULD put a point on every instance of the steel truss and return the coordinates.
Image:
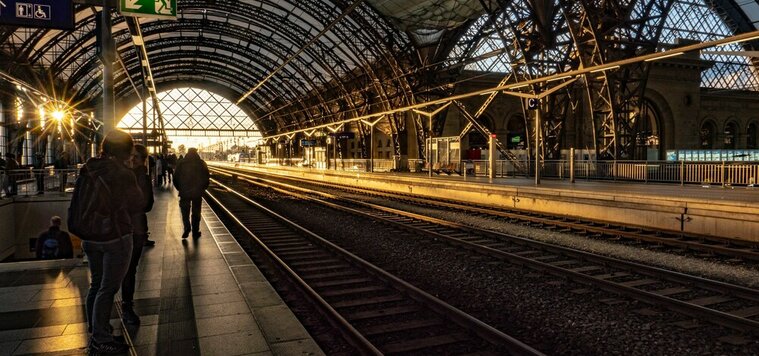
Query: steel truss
(599, 32)
(358, 66)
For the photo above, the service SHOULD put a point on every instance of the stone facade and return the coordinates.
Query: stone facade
(681, 107)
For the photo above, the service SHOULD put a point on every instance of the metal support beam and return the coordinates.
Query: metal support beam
(107, 57)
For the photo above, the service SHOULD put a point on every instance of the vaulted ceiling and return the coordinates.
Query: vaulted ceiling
(370, 60)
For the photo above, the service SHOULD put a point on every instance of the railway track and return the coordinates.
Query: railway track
(716, 302)
(375, 311)
(596, 229)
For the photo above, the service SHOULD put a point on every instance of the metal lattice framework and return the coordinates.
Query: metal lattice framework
(367, 63)
(195, 112)
(360, 65)
(601, 32)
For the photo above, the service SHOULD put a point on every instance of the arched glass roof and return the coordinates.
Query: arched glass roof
(482, 49)
(236, 44)
(193, 113)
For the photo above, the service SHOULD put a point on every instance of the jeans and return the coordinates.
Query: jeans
(108, 263)
(184, 206)
(128, 285)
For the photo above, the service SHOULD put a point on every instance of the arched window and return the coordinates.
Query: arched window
(647, 132)
(752, 135)
(195, 116)
(708, 134)
(731, 135)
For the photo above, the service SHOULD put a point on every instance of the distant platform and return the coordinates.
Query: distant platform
(195, 297)
(731, 212)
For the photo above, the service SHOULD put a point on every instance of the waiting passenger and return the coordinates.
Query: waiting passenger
(191, 180)
(105, 197)
(54, 243)
(140, 237)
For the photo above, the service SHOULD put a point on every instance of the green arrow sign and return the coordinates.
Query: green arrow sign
(162, 9)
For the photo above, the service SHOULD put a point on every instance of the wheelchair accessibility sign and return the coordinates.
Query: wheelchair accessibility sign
(33, 11)
(37, 13)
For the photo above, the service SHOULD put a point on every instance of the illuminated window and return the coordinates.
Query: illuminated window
(191, 113)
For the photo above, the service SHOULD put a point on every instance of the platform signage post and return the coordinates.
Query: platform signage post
(58, 14)
(161, 9)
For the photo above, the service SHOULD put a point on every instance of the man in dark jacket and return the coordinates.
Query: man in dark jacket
(109, 255)
(54, 243)
(140, 237)
(191, 180)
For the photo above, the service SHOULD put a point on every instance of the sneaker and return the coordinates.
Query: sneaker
(185, 234)
(149, 243)
(111, 347)
(130, 317)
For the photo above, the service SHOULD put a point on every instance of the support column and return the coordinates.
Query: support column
(538, 117)
(572, 165)
(5, 118)
(491, 156)
(144, 119)
(107, 57)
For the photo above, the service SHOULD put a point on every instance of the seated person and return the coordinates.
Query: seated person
(54, 243)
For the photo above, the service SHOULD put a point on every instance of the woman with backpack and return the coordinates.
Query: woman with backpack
(104, 199)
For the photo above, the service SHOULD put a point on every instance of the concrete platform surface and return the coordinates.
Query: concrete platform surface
(727, 213)
(195, 297)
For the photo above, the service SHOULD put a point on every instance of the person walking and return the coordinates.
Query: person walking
(11, 165)
(106, 196)
(39, 171)
(171, 162)
(54, 243)
(140, 236)
(191, 180)
(61, 168)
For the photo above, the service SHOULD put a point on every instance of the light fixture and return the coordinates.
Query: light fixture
(58, 115)
(662, 57)
(738, 41)
(559, 78)
(604, 69)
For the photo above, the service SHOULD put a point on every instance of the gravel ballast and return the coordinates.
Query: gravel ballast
(553, 315)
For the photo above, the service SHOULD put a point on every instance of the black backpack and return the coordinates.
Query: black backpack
(91, 216)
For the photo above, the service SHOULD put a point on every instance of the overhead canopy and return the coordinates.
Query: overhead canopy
(365, 62)
(236, 44)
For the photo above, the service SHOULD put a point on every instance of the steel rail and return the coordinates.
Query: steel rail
(712, 315)
(480, 328)
(353, 336)
(720, 246)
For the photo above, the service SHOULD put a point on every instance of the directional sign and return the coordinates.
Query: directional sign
(38, 13)
(162, 9)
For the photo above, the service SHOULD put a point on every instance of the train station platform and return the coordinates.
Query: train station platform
(731, 213)
(195, 297)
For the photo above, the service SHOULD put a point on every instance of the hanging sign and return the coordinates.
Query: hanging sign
(162, 9)
(58, 14)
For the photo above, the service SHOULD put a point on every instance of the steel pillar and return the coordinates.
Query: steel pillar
(107, 57)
